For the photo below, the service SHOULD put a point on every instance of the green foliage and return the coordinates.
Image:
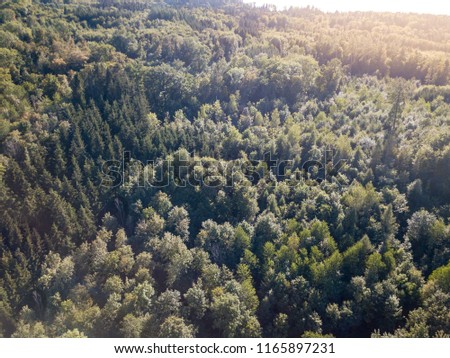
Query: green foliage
(222, 90)
(441, 277)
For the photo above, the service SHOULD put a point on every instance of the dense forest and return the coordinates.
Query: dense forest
(153, 179)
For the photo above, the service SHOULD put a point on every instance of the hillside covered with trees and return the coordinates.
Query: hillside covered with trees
(96, 96)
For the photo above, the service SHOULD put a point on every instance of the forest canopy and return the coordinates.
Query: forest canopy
(354, 243)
